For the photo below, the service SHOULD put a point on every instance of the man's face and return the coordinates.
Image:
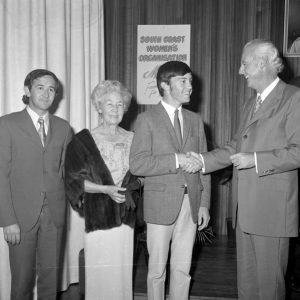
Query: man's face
(250, 68)
(41, 94)
(180, 89)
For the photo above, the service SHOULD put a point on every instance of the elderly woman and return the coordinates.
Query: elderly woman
(98, 182)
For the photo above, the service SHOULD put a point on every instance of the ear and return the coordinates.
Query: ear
(165, 86)
(99, 110)
(263, 63)
(27, 91)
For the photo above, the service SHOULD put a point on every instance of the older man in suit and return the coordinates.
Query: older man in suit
(176, 195)
(265, 153)
(32, 200)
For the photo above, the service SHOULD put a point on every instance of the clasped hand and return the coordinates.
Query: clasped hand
(116, 193)
(190, 162)
(243, 160)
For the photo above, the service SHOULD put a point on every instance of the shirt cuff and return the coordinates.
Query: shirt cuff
(176, 159)
(255, 161)
(203, 168)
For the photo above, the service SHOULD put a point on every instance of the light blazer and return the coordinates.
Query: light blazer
(153, 156)
(267, 201)
(29, 172)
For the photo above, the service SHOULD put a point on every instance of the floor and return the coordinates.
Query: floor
(213, 272)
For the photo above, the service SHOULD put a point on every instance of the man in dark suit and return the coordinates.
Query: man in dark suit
(176, 195)
(265, 153)
(32, 200)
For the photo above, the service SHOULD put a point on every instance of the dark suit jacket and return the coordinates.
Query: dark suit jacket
(153, 156)
(29, 172)
(268, 200)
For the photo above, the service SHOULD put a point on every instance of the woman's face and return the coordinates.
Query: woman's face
(112, 109)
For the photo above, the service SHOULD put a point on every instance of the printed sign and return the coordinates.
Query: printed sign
(157, 44)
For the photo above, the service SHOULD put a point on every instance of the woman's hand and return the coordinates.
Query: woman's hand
(116, 193)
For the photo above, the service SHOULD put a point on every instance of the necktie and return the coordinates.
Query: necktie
(258, 104)
(41, 131)
(177, 127)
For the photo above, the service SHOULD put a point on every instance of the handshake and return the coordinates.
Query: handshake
(190, 162)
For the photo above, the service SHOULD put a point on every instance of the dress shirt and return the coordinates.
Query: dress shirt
(171, 113)
(35, 117)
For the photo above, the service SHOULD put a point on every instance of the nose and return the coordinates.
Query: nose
(46, 93)
(241, 70)
(114, 108)
(189, 85)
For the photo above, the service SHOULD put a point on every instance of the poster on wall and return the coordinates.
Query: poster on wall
(291, 38)
(157, 44)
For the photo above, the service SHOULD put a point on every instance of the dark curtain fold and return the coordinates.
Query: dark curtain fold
(219, 30)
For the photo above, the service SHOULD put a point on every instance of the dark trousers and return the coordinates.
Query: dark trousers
(37, 254)
(294, 261)
(261, 266)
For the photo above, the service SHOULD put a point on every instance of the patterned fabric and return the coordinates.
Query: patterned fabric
(115, 154)
(258, 104)
(41, 131)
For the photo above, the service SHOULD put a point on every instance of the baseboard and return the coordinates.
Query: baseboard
(143, 296)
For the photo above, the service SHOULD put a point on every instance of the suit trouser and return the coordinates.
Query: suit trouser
(261, 266)
(181, 234)
(37, 254)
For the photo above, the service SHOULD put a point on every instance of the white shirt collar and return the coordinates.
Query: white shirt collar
(35, 117)
(268, 89)
(170, 109)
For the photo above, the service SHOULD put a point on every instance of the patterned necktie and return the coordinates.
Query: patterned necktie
(177, 127)
(41, 131)
(258, 104)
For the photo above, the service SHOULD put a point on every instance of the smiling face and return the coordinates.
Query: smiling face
(42, 94)
(251, 68)
(179, 90)
(112, 109)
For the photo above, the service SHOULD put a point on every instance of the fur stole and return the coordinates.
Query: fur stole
(84, 162)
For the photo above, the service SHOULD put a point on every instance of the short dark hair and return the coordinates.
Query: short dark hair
(37, 74)
(168, 70)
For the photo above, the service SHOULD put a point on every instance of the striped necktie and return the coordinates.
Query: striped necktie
(258, 104)
(41, 131)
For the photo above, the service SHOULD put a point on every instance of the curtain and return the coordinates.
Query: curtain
(219, 30)
(66, 37)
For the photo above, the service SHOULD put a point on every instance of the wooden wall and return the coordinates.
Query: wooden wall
(219, 29)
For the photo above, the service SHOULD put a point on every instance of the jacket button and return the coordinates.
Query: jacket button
(245, 136)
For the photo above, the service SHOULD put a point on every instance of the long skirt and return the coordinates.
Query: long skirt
(108, 264)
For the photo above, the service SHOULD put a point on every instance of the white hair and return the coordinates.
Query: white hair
(267, 50)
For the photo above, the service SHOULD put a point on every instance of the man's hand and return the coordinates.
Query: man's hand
(189, 163)
(12, 234)
(243, 160)
(203, 218)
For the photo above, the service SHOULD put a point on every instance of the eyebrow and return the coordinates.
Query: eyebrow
(50, 86)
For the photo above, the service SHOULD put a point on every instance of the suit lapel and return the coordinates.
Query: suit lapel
(186, 126)
(50, 130)
(29, 128)
(269, 105)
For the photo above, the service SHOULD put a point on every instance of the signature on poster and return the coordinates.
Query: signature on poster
(151, 87)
